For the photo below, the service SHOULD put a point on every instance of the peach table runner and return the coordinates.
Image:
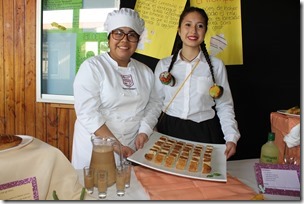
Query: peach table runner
(163, 186)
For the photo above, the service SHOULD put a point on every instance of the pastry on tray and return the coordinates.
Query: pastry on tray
(194, 163)
(206, 168)
(181, 162)
(8, 141)
(159, 157)
(207, 160)
(180, 155)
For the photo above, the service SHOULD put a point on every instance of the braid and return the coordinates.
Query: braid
(205, 52)
(177, 47)
(172, 61)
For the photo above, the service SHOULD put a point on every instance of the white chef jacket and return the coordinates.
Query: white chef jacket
(193, 102)
(123, 98)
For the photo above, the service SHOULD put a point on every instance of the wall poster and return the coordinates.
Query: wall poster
(161, 21)
(224, 36)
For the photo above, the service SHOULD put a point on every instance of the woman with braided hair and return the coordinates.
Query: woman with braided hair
(197, 104)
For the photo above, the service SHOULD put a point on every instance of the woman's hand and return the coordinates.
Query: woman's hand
(126, 151)
(230, 149)
(140, 140)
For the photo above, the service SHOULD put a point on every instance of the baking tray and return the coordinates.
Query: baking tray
(218, 161)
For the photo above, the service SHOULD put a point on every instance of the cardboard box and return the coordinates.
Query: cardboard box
(281, 125)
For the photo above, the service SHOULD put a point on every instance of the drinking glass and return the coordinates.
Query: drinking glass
(88, 175)
(127, 165)
(102, 183)
(120, 181)
(290, 156)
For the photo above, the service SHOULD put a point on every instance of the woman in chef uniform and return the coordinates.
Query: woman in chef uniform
(114, 93)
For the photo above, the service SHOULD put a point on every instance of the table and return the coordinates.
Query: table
(34, 171)
(241, 169)
(281, 125)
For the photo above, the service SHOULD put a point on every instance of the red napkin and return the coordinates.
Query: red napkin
(163, 186)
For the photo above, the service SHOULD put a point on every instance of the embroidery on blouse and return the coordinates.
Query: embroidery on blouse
(127, 81)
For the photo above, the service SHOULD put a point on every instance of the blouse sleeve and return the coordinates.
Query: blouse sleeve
(225, 106)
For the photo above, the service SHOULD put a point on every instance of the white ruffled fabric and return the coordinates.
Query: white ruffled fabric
(293, 139)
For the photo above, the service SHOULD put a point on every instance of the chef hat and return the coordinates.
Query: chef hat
(125, 17)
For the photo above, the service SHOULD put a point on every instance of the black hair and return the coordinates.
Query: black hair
(178, 42)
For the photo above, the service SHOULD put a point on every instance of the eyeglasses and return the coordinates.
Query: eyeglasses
(119, 35)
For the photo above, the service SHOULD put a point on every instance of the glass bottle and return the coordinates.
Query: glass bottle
(269, 151)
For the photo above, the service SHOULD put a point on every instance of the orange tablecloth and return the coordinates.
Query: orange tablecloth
(162, 186)
(281, 125)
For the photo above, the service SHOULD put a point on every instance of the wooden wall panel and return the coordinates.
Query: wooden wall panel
(40, 124)
(72, 119)
(63, 131)
(2, 74)
(30, 69)
(19, 66)
(51, 125)
(9, 66)
(19, 111)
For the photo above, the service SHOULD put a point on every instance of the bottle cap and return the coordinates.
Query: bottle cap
(271, 136)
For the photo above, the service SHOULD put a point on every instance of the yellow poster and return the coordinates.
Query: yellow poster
(161, 22)
(224, 35)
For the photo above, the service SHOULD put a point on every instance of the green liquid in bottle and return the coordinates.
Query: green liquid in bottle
(269, 151)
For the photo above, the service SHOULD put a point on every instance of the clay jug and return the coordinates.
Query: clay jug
(103, 158)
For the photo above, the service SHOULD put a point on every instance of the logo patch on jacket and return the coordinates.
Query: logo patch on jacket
(127, 80)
